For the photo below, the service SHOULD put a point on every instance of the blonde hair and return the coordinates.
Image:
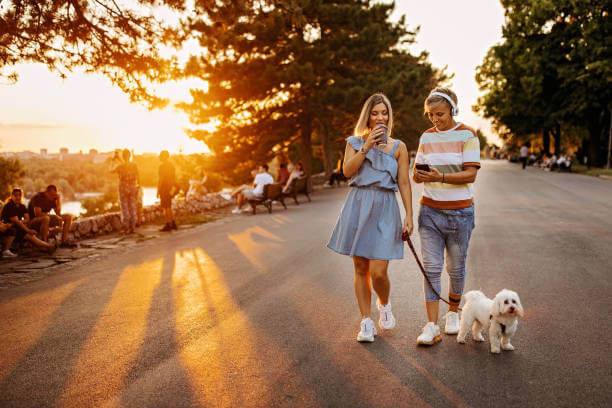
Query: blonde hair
(434, 100)
(362, 124)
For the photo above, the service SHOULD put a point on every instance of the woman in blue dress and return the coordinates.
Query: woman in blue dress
(370, 228)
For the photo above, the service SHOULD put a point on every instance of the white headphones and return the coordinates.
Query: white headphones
(454, 108)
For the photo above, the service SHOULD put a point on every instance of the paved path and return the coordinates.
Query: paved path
(255, 311)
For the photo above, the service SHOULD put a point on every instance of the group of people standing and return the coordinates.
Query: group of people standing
(130, 190)
(44, 210)
(370, 229)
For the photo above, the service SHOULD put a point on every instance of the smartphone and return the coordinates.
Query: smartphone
(424, 167)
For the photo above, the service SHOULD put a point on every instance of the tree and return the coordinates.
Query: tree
(552, 72)
(482, 139)
(295, 72)
(11, 173)
(121, 43)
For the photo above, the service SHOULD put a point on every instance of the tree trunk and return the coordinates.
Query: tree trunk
(306, 147)
(328, 155)
(598, 136)
(546, 141)
(556, 132)
(609, 138)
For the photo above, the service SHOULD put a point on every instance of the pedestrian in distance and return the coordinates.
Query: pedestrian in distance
(129, 186)
(166, 189)
(524, 153)
(370, 227)
(447, 161)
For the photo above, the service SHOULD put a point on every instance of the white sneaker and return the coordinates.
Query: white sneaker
(386, 320)
(430, 334)
(7, 253)
(452, 323)
(236, 211)
(367, 332)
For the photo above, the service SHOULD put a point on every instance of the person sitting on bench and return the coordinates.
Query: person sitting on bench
(261, 179)
(337, 175)
(298, 171)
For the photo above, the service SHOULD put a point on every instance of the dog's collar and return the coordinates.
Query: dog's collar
(503, 326)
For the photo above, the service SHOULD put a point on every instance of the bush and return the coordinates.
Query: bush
(214, 182)
(107, 202)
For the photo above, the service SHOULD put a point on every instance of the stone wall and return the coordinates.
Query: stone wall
(88, 227)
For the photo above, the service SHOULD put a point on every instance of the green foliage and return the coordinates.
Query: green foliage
(148, 166)
(70, 176)
(283, 73)
(214, 183)
(120, 42)
(11, 172)
(552, 73)
(107, 202)
(481, 138)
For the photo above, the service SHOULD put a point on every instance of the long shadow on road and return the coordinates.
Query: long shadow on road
(158, 352)
(40, 376)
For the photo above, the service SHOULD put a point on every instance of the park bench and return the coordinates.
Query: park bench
(272, 192)
(298, 186)
(564, 167)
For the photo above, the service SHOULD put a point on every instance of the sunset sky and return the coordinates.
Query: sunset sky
(86, 111)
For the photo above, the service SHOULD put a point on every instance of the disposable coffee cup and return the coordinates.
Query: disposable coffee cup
(383, 137)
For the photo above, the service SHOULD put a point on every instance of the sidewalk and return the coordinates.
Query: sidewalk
(32, 264)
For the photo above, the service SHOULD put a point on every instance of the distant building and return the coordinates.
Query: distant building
(102, 157)
(63, 153)
(43, 153)
(25, 155)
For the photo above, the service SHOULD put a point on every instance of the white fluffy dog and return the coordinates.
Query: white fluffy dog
(502, 313)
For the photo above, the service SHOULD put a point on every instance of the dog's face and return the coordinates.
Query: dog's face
(507, 304)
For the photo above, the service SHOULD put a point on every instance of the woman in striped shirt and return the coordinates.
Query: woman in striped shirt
(447, 162)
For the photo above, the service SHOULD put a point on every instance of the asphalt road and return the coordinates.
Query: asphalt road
(256, 311)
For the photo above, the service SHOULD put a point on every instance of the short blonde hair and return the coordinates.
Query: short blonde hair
(362, 124)
(435, 100)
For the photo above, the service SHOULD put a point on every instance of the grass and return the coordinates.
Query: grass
(186, 219)
(593, 171)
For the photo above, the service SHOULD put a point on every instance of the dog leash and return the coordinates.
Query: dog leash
(406, 238)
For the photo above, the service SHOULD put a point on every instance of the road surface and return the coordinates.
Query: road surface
(256, 311)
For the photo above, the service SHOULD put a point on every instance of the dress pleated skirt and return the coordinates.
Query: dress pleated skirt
(369, 225)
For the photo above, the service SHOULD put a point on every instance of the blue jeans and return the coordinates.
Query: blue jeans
(440, 230)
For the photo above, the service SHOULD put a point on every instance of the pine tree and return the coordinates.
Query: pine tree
(283, 72)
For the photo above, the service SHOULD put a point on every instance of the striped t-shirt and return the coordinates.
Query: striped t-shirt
(448, 151)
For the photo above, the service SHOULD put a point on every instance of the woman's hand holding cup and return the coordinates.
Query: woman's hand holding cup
(374, 137)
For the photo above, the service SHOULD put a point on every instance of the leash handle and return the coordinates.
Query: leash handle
(406, 238)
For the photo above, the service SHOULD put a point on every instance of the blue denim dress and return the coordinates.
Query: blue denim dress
(370, 224)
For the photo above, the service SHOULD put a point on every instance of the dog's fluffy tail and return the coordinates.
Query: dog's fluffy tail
(472, 295)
